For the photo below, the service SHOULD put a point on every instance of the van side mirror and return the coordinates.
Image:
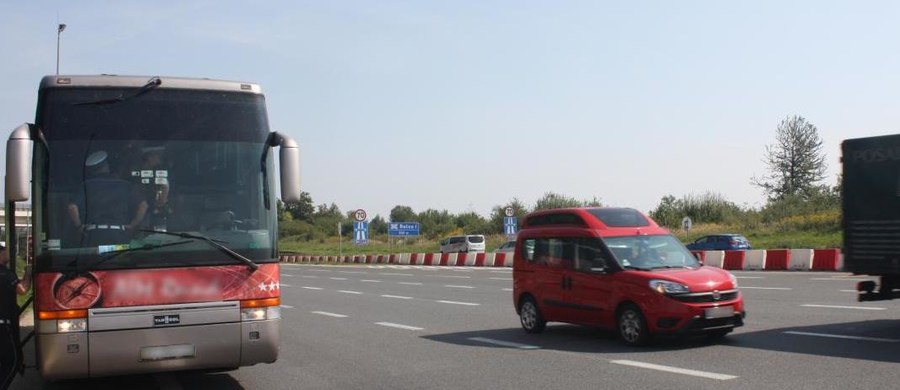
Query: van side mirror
(599, 270)
(698, 256)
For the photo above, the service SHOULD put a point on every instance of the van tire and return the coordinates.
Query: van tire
(632, 326)
(530, 316)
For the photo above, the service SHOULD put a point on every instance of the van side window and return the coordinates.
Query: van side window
(528, 250)
(589, 254)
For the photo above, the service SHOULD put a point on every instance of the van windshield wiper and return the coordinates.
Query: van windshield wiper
(151, 84)
(216, 243)
(637, 268)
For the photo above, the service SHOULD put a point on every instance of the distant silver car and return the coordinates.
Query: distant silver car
(507, 247)
(461, 244)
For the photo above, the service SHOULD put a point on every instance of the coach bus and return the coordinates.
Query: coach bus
(154, 224)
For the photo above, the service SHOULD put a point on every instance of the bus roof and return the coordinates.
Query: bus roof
(115, 81)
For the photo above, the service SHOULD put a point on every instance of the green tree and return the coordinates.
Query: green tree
(472, 223)
(402, 214)
(552, 200)
(434, 223)
(378, 225)
(795, 161)
(499, 212)
(302, 210)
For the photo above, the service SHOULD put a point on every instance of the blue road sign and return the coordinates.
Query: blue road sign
(510, 225)
(403, 229)
(361, 232)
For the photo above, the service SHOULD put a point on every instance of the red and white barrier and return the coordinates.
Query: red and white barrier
(768, 259)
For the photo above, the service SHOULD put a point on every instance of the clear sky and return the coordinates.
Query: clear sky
(465, 105)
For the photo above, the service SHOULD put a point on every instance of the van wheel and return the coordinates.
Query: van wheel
(632, 326)
(530, 316)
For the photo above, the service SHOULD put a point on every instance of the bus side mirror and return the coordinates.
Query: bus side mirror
(289, 160)
(18, 164)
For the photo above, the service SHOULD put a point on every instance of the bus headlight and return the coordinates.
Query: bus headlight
(261, 313)
(261, 309)
(71, 325)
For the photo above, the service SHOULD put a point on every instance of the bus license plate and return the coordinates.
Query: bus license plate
(166, 352)
(719, 312)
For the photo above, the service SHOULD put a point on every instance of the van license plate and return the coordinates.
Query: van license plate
(719, 312)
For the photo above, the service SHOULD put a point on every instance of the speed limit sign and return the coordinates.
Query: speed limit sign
(360, 215)
(510, 211)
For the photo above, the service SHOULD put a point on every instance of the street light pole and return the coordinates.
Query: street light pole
(59, 31)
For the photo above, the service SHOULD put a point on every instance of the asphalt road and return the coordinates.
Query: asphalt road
(408, 327)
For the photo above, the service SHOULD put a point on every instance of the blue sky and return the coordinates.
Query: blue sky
(465, 105)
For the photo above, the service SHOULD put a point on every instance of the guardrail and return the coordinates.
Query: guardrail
(759, 259)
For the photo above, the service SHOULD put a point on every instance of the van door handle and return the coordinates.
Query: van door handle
(566, 283)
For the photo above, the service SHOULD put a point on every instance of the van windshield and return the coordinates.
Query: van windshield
(650, 252)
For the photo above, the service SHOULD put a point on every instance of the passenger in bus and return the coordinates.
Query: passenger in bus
(10, 286)
(109, 208)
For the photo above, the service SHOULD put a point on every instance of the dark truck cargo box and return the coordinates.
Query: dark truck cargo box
(871, 205)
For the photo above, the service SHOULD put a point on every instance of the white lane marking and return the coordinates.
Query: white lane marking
(452, 286)
(750, 277)
(450, 276)
(319, 270)
(839, 279)
(765, 288)
(286, 275)
(410, 283)
(338, 278)
(676, 370)
(287, 306)
(503, 343)
(353, 272)
(167, 381)
(838, 336)
(309, 276)
(312, 288)
(461, 303)
(284, 285)
(506, 279)
(506, 289)
(500, 272)
(394, 274)
(846, 307)
(325, 313)
(396, 296)
(461, 270)
(349, 292)
(398, 326)
(853, 291)
(370, 281)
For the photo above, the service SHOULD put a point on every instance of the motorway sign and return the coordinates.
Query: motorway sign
(361, 232)
(403, 229)
(510, 225)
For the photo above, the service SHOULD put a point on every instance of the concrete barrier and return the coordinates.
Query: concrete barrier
(714, 258)
(755, 260)
(734, 260)
(777, 259)
(800, 260)
(826, 259)
(461, 259)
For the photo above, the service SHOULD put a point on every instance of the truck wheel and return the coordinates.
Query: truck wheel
(530, 316)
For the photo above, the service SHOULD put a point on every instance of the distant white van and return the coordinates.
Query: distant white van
(459, 244)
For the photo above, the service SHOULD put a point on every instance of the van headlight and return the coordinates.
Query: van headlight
(668, 287)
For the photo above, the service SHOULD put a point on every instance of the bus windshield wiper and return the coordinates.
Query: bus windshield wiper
(113, 254)
(151, 84)
(216, 243)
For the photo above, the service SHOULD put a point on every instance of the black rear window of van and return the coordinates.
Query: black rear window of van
(620, 217)
(476, 239)
(555, 219)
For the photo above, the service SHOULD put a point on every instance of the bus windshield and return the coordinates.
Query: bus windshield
(118, 176)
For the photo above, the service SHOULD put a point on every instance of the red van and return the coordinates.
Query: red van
(616, 268)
